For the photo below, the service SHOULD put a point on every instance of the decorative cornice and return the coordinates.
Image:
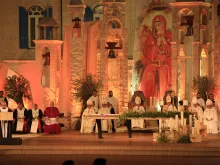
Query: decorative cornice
(190, 4)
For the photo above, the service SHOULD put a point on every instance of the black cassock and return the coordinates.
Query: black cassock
(9, 126)
(26, 119)
(40, 117)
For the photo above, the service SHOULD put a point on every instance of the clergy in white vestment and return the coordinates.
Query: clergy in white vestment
(106, 124)
(197, 110)
(138, 123)
(95, 98)
(5, 126)
(87, 125)
(94, 107)
(200, 101)
(210, 118)
(36, 122)
(169, 107)
(113, 101)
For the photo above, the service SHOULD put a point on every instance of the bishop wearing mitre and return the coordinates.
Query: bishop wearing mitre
(138, 123)
(210, 118)
(5, 126)
(169, 107)
(87, 125)
(197, 110)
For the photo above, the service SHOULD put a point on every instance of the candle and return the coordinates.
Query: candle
(184, 123)
(160, 122)
(154, 101)
(185, 102)
(176, 122)
(190, 120)
(161, 102)
(182, 117)
(171, 124)
(150, 101)
(193, 130)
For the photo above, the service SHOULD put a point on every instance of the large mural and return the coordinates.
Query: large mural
(152, 51)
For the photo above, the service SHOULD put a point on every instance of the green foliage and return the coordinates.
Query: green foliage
(17, 87)
(204, 85)
(84, 86)
(184, 139)
(162, 138)
(131, 113)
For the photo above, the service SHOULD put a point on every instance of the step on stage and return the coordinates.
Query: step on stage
(74, 143)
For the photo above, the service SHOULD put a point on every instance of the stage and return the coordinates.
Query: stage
(117, 147)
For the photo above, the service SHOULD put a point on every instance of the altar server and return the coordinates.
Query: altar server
(210, 118)
(138, 123)
(169, 107)
(5, 126)
(197, 110)
(106, 124)
(94, 107)
(52, 124)
(87, 125)
(95, 98)
(36, 122)
(113, 101)
(20, 116)
(112, 111)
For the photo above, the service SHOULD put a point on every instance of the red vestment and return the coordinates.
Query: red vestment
(52, 112)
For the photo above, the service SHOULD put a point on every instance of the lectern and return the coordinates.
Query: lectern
(6, 119)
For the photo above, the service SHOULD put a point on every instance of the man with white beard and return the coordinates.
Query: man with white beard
(87, 125)
(210, 118)
(113, 101)
(138, 123)
(197, 110)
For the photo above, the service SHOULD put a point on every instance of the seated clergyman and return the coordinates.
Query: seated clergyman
(138, 123)
(87, 125)
(36, 122)
(20, 116)
(106, 124)
(169, 107)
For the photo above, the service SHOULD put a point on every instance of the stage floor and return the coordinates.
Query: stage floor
(116, 147)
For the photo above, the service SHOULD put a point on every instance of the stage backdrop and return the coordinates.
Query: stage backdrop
(152, 48)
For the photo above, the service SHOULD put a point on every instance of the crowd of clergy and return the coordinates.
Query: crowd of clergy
(205, 112)
(29, 121)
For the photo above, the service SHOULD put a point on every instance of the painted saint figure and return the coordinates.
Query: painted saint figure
(156, 76)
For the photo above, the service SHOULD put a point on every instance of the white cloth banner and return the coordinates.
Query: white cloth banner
(34, 126)
(20, 125)
(50, 121)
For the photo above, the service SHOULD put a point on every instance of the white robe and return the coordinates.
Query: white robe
(4, 124)
(201, 102)
(96, 100)
(199, 112)
(171, 108)
(210, 119)
(34, 125)
(112, 100)
(87, 125)
(138, 122)
(106, 124)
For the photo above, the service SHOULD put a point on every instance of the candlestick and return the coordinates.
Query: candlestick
(193, 130)
(160, 123)
(176, 122)
(190, 120)
(184, 122)
(182, 117)
(150, 101)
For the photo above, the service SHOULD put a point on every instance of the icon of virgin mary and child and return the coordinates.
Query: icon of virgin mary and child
(156, 75)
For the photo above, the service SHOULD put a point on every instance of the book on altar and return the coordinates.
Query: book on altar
(6, 116)
(20, 125)
(34, 126)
